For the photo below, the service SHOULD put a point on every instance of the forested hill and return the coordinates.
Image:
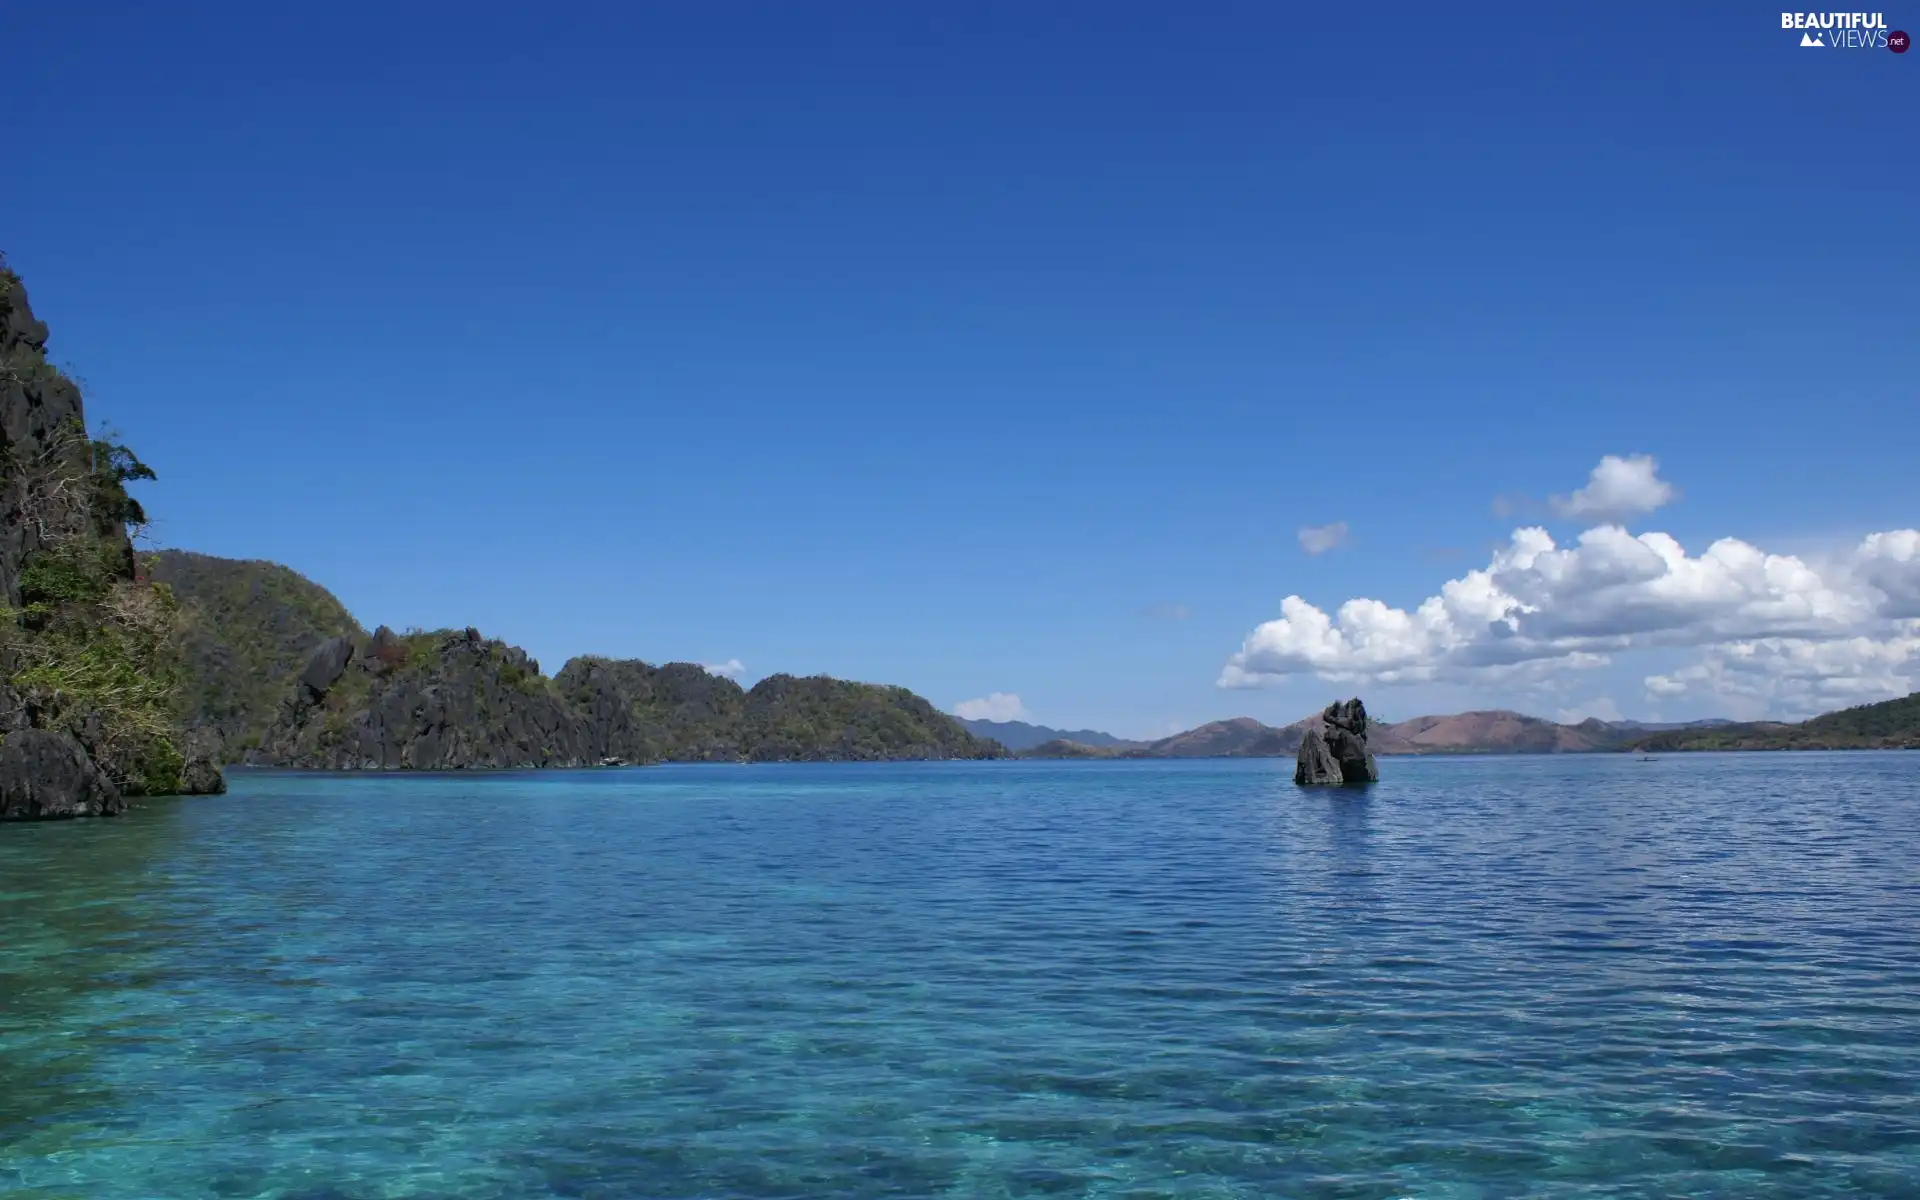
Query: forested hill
(455, 699)
(247, 628)
(279, 673)
(1890, 724)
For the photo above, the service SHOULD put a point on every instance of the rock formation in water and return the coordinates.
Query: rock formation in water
(448, 700)
(1339, 755)
(641, 713)
(425, 702)
(44, 774)
(89, 690)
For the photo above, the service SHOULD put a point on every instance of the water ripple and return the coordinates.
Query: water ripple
(1482, 978)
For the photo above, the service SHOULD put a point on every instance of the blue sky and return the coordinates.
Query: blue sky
(1003, 348)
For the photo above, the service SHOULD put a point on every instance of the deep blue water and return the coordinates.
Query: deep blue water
(1541, 977)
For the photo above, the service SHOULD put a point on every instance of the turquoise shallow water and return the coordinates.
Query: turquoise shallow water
(1543, 977)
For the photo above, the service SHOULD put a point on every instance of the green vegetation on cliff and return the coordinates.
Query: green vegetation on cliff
(454, 699)
(87, 648)
(423, 701)
(1888, 725)
(681, 712)
(790, 719)
(640, 713)
(275, 671)
(247, 628)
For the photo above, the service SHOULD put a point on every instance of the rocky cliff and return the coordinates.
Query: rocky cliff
(639, 713)
(424, 702)
(89, 668)
(454, 700)
(247, 630)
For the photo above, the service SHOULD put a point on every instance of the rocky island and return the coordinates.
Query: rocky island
(1337, 753)
(456, 700)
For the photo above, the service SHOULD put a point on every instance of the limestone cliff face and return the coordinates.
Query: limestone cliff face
(639, 713)
(45, 774)
(423, 702)
(458, 700)
(86, 696)
(42, 424)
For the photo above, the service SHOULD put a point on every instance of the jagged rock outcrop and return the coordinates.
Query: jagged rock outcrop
(45, 774)
(424, 702)
(640, 713)
(457, 700)
(1315, 765)
(41, 419)
(87, 652)
(326, 667)
(201, 776)
(1337, 754)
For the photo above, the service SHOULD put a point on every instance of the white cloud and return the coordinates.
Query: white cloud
(1891, 563)
(1000, 706)
(1799, 676)
(1809, 630)
(1602, 708)
(1617, 489)
(733, 668)
(1318, 539)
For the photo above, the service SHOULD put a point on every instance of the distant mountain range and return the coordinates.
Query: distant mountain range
(1489, 732)
(1018, 735)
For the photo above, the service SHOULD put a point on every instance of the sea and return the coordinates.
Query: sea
(1567, 976)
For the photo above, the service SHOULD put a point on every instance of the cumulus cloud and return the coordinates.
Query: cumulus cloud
(1617, 489)
(1890, 562)
(1767, 621)
(1799, 676)
(1600, 709)
(1318, 539)
(733, 668)
(1000, 706)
